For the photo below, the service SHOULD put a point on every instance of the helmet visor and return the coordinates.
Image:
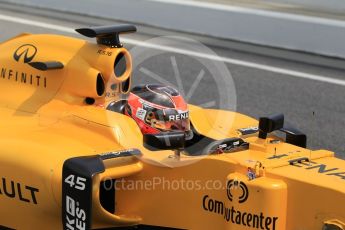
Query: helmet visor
(178, 125)
(168, 120)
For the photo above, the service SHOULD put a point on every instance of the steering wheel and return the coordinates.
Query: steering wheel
(226, 146)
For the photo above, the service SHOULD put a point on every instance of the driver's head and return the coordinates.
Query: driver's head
(158, 108)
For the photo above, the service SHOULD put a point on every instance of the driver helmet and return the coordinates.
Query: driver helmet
(158, 108)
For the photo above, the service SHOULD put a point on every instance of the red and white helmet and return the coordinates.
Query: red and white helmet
(158, 108)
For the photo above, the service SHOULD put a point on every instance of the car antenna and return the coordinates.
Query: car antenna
(312, 134)
(107, 35)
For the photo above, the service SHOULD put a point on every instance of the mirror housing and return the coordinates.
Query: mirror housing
(295, 137)
(164, 141)
(270, 124)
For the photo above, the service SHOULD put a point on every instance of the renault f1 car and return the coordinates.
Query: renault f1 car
(69, 163)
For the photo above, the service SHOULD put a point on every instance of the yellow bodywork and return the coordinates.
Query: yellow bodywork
(45, 121)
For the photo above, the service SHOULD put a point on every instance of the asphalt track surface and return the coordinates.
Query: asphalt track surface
(266, 80)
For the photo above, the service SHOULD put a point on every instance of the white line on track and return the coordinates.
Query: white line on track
(252, 11)
(268, 68)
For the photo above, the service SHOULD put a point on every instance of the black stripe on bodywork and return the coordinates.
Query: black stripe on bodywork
(142, 227)
(5, 228)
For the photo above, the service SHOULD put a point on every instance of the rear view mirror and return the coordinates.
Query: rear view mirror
(295, 137)
(164, 141)
(270, 124)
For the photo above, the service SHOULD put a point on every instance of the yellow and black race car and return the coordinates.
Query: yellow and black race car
(67, 162)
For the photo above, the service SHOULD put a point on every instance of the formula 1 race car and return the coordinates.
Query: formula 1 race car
(68, 162)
